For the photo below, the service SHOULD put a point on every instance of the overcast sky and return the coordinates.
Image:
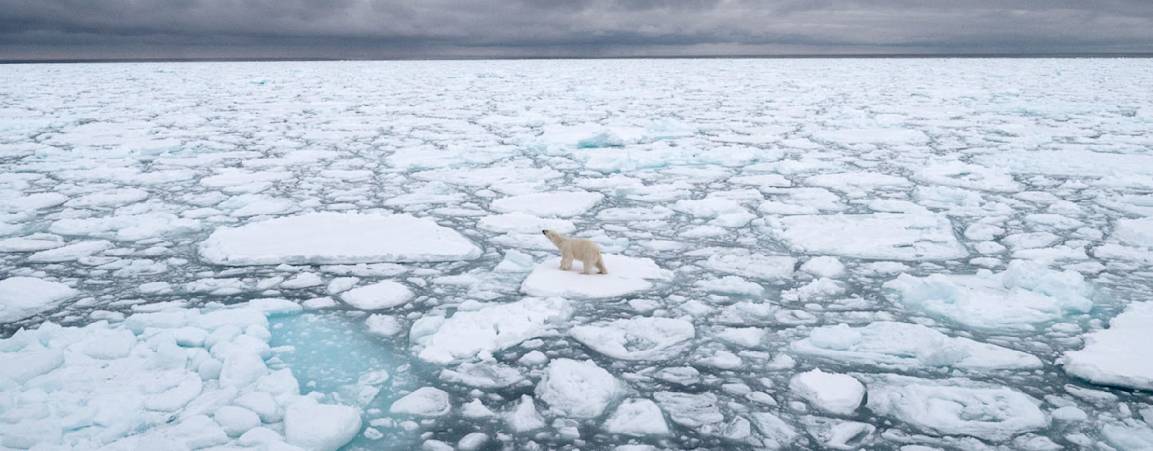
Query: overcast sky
(68, 29)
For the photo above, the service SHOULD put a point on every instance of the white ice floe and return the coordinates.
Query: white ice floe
(695, 411)
(486, 330)
(70, 252)
(757, 266)
(907, 346)
(825, 266)
(834, 393)
(423, 402)
(886, 236)
(956, 407)
(152, 381)
(557, 203)
(484, 375)
(578, 389)
(1020, 299)
(1120, 355)
(637, 338)
(133, 227)
(964, 175)
(22, 297)
(731, 285)
(380, 295)
(31, 243)
(637, 417)
(322, 427)
(523, 223)
(319, 238)
(626, 275)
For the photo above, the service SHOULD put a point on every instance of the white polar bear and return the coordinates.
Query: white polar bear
(584, 250)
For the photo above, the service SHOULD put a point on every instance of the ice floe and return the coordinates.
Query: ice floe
(467, 334)
(637, 338)
(906, 346)
(578, 389)
(956, 407)
(21, 297)
(626, 275)
(1025, 296)
(1117, 356)
(336, 238)
(874, 236)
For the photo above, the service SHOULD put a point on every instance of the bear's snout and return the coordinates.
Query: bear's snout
(544, 232)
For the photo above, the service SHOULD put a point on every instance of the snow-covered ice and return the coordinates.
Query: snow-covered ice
(626, 275)
(347, 255)
(1117, 356)
(336, 238)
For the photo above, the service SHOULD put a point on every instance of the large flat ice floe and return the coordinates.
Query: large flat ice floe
(907, 346)
(491, 328)
(175, 379)
(955, 407)
(21, 297)
(626, 275)
(320, 238)
(637, 338)
(1120, 355)
(1023, 297)
(886, 236)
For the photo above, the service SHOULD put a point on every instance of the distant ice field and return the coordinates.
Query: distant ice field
(802, 254)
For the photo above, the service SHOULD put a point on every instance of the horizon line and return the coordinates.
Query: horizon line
(994, 55)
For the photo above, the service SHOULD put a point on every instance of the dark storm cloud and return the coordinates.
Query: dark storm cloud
(414, 28)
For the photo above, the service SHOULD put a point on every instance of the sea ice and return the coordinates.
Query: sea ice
(1118, 355)
(423, 402)
(380, 295)
(1020, 299)
(637, 417)
(839, 394)
(956, 407)
(325, 238)
(626, 275)
(906, 346)
(880, 236)
(22, 297)
(578, 389)
(486, 330)
(559, 203)
(637, 338)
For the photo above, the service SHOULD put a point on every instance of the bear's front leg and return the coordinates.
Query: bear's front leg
(566, 263)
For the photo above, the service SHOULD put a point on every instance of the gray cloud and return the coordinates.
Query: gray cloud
(416, 28)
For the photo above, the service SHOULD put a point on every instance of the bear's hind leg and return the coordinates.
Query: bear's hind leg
(601, 266)
(587, 266)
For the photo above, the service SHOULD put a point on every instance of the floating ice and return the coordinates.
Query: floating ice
(626, 275)
(492, 328)
(637, 338)
(558, 203)
(422, 402)
(757, 266)
(126, 227)
(381, 295)
(1020, 299)
(1119, 355)
(523, 223)
(839, 394)
(578, 389)
(882, 236)
(906, 346)
(22, 297)
(956, 407)
(336, 238)
(314, 426)
(637, 417)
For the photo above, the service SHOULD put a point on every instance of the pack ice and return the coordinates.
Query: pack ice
(802, 254)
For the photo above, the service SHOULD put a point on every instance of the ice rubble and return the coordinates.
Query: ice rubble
(578, 389)
(172, 379)
(559, 203)
(1025, 296)
(626, 275)
(881, 236)
(381, 295)
(906, 347)
(488, 329)
(637, 338)
(22, 297)
(1120, 355)
(955, 406)
(839, 394)
(322, 238)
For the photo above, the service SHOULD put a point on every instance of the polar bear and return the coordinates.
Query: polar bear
(584, 250)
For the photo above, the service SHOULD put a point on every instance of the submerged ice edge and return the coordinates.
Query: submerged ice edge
(836, 227)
